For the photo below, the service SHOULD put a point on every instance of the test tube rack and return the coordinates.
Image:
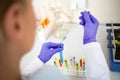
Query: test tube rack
(72, 72)
(70, 67)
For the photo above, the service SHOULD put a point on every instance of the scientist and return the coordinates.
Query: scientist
(17, 32)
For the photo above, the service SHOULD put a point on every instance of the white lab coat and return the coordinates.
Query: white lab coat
(97, 68)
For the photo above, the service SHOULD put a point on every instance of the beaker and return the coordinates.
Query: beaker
(61, 30)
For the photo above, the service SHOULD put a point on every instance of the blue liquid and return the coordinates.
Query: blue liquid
(61, 56)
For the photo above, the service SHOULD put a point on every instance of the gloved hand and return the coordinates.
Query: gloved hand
(90, 24)
(48, 50)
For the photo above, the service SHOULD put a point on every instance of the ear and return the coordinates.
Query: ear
(12, 23)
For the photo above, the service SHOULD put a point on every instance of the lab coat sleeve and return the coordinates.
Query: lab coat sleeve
(34, 66)
(96, 65)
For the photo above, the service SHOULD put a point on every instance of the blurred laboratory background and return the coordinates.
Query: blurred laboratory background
(63, 17)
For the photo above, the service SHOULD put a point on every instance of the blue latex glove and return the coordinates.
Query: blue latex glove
(90, 24)
(48, 50)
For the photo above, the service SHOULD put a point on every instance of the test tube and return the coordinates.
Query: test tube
(81, 64)
(77, 67)
(84, 65)
(55, 64)
(57, 61)
(61, 53)
(74, 60)
(61, 56)
(71, 63)
(66, 63)
(60, 63)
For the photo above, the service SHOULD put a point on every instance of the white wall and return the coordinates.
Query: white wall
(105, 10)
(42, 7)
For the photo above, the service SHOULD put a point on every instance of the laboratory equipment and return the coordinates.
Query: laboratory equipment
(45, 22)
(114, 49)
(61, 56)
(60, 29)
(72, 67)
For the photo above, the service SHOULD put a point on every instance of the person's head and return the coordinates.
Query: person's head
(17, 32)
(17, 26)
